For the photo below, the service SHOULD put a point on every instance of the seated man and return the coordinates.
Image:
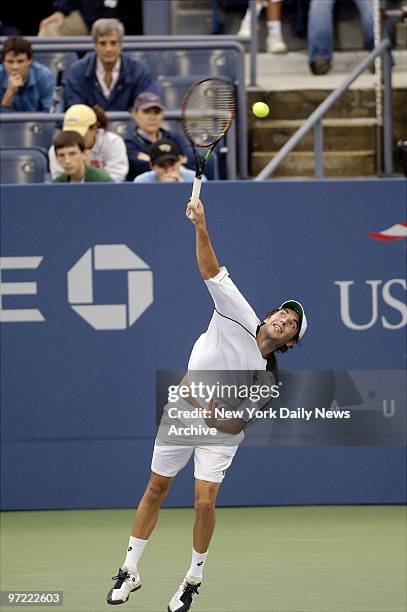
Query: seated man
(148, 115)
(166, 165)
(107, 77)
(25, 86)
(104, 148)
(70, 152)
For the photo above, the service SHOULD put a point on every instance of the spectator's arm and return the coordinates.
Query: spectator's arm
(117, 164)
(8, 93)
(136, 166)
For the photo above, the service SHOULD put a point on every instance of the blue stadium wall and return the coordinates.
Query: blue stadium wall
(78, 403)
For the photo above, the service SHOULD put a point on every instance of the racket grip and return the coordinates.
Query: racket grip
(196, 190)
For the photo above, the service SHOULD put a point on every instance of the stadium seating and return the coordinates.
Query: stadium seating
(23, 166)
(28, 134)
(175, 65)
(123, 127)
(206, 62)
(57, 61)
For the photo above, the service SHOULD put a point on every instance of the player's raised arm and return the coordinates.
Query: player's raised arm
(205, 255)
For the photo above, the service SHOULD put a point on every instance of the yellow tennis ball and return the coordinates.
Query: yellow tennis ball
(260, 109)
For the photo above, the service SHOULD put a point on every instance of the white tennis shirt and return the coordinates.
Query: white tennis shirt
(228, 344)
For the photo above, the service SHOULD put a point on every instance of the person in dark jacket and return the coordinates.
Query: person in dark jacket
(107, 77)
(148, 115)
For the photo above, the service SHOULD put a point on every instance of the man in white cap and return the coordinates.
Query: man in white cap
(104, 148)
(236, 342)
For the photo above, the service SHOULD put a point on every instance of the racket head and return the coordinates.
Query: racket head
(207, 111)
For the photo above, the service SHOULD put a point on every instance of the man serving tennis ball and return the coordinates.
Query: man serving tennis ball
(235, 340)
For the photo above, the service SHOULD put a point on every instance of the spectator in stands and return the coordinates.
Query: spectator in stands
(76, 17)
(105, 149)
(71, 154)
(166, 165)
(320, 32)
(25, 86)
(275, 42)
(148, 115)
(107, 77)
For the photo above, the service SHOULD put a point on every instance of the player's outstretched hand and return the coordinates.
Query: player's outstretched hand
(196, 213)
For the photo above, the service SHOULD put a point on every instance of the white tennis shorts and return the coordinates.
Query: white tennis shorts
(211, 462)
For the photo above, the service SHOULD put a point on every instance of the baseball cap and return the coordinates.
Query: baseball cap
(146, 100)
(298, 308)
(164, 150)
(79, 118)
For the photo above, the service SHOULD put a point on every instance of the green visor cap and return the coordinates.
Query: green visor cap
(294, 305)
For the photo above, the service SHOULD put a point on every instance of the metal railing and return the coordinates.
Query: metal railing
(57, 118)
(315, 119)
(199, 38)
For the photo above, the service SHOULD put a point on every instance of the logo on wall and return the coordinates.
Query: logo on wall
(380, 291)
(378, 294)
(395, 232)
(80, 288)
(139, 285)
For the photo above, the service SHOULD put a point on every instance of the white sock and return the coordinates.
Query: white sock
(197, 564)
(259, 8)
(134, 551)
(274, 28)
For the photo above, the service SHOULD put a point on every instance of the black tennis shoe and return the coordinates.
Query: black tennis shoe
(125, 584)
(184, 597)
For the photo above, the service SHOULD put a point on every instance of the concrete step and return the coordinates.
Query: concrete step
(354, 104)
(299, 104)
(300, 164)
(339, 135)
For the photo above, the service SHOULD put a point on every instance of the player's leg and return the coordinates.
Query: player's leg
(149, 506)
(205, 519)
(211, 464)
(128, 578)
(166, 463)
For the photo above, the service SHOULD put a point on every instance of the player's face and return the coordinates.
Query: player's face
(108, 48)
(17, 64)
(282, 326)
(149, 121)
(71, 159)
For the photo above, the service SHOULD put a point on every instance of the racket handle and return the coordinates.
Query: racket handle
(196, 190)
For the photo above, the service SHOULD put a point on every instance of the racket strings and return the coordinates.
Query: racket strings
(208, 111)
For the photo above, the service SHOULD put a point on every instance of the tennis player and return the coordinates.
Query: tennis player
(235, 340)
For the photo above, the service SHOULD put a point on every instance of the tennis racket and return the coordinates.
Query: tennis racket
(207, 113)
